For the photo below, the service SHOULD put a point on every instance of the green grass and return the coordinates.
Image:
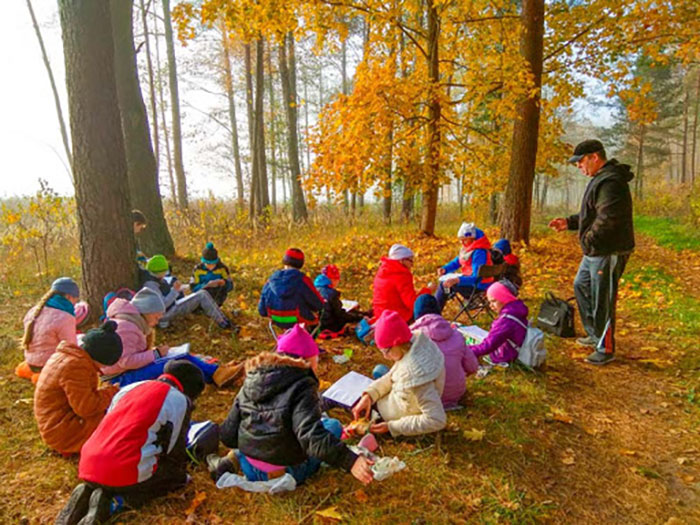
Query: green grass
(669, 232)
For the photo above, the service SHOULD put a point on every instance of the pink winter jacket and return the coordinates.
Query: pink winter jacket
(135, 353)
(50, 328)
(459, 360)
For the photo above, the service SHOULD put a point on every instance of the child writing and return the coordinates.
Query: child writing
(212, 275)
(333, 316)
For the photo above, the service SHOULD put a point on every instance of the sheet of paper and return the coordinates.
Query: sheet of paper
(347, 390)
(473, 332)
(349, 305)
(182, 349)
(447, 276)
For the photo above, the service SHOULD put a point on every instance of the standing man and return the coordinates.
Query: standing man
(606, 235)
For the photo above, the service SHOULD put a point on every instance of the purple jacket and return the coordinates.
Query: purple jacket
(502, 329)
(459, 360)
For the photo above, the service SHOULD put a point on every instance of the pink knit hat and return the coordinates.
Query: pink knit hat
(391, 330)
(500, 293)
(297, 341)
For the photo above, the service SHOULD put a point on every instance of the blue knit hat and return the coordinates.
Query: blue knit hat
(425, 304)
(209, 254)
(66, 285)
(503, 245)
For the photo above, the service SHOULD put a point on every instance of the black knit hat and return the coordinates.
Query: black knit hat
(293, 257)
(209, 254)
(103, 344)
(190, 377)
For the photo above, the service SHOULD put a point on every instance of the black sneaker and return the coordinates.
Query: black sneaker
(76, 507)
(599, 358)
(98, 512)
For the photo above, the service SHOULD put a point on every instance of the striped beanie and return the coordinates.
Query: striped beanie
(293, 257)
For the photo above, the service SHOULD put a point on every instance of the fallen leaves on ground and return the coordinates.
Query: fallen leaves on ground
(330, 513)
(474, 434)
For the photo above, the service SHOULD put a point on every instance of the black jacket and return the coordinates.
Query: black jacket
(276, 416)
(605, 224)
(333, 316)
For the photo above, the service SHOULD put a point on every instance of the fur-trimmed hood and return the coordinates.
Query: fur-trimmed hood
(269, 373)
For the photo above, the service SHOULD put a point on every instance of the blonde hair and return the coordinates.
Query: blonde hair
(29, 328)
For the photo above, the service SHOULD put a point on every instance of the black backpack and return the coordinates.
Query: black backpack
(556, 316)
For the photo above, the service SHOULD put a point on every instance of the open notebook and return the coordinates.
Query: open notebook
(347, 390)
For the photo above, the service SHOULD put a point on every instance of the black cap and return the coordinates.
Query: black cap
(190, 377)
(584, 148)
(103, 344)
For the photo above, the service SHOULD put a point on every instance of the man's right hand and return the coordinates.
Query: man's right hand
(362, 408)
(362, 471)
(559, 224)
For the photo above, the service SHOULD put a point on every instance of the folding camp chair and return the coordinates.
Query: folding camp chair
(476, 302)
(284, 320)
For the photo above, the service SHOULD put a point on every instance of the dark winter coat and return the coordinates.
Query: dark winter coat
(290, 293)
(276, 416)
(605, 224)
(333, 316)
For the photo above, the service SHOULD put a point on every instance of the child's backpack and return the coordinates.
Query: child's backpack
(556, 316)
(121, 293)
(365, 332)
(532, 352)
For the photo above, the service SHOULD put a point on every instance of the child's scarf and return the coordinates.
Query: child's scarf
(61, 303)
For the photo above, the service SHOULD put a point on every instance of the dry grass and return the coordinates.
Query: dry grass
(628, 455)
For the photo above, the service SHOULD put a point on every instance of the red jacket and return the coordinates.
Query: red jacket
(146, 420)
(393, 289)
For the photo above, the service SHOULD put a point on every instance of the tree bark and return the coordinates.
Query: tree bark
(288, 79)
(251, 130)
(407, 202)
(344, 86)
(517, 204)
(230, 96)
(386, 208)
(693, 155)
(107, 247)
(151, 83)
(684, 151)
(259, 142)
(429, 211)
(175, 108)
(639, 179)
(144, 190)
(272, 128)
(56, 98)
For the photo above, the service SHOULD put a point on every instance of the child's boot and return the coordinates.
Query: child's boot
(217, 466)
(76, 507)
(227, 374)
(98, 511)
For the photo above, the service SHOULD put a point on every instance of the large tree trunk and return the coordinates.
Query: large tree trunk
(107, 247)
(430, 195)
(141, 163)
(407, 202)
(251, 130)
(151, 83)
(517, 204)
(386, 208)
(639, 179)
(259, 160)
(684, 151)
(272, 128)
(56, 98)
(693, 157)
(344, 85)
(288, 78)
(175, 108)
(228, 84)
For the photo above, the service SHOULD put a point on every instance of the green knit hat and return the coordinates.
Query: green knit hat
(157, 264)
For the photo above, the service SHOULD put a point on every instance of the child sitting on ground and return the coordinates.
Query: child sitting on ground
(212, 275)
(460, 362)
(512, 272)
(408, 395)
(138, 451)
(289, 297)
(275, 423)
(334, 317)
(506, 334)
(68, 402)
(153, 277)
(141, 360)
(52, 320)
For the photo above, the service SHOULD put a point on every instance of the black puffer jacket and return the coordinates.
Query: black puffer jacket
(605, 224)
(276, 416)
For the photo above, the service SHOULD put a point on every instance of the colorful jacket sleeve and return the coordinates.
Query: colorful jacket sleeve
(479, 258)
(452, 266)
(497, 336)
(311, 296)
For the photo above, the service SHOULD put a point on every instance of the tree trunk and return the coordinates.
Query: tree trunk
(56, 98)
(344, 85)
(288, 79)
(259, 142)
(151, 84)
(684, 151)
(175, 108)
(407, 203)
(306, 126)
(228, 84)
(272, 128)
(107, 247)
(543, 195)
(388, 180)
(693, 157)
(429, 211)
(144, 190)
(639, 179)
(516, 210)
(251, 130)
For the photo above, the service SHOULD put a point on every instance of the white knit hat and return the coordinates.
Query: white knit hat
(399, 252)
(467, 229)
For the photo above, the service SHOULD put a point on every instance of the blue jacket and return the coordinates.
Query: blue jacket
(478, 256)
(289, 293)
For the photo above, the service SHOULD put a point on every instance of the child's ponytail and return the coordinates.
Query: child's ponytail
(29, 329)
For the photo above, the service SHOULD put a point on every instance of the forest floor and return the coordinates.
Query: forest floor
(569, 444)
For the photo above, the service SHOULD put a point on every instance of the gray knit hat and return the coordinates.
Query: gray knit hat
(147, 301)
(66, 285)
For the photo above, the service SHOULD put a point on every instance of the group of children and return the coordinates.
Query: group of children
(131, 431)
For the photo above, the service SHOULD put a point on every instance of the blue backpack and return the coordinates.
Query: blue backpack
(121, 293)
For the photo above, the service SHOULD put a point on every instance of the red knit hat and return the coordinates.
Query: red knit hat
(331, 271)
(293, 257)
(391, 330)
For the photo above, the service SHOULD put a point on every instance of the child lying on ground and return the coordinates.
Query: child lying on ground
(459, 360)
(52, 320)
(137, 453)
(275, 422)
(506, 335)
(212, 275)
(68, 402)
(408, 395)
(141, 360)
(333, 316)
(154, 278)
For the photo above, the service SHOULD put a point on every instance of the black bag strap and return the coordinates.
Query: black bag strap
(551, 298)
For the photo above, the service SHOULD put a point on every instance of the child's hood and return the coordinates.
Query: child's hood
(286, 283)
(516, 309)
(121, 306)
(422, 364)
(435, 326)
(321, 280)
(270, 374)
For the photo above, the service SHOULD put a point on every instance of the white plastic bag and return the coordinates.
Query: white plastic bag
(274, 486)
(386, 467)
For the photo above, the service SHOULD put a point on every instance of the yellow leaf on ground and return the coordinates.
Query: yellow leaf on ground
(627, 452)
(198, 499)
(568, 457)
(557, 414)
(474, 434)
(330, 513)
